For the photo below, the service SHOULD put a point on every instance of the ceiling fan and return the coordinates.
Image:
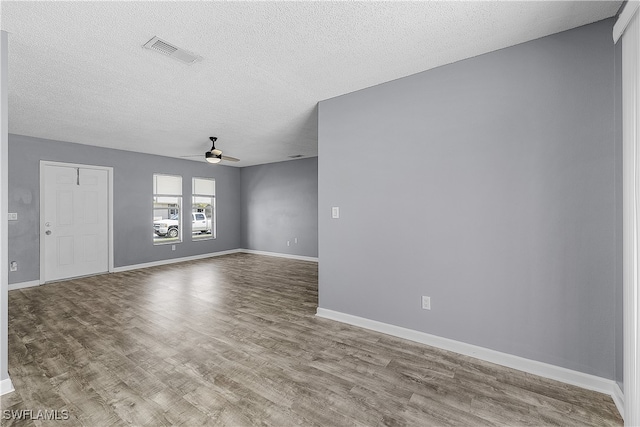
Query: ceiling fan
(214, 155)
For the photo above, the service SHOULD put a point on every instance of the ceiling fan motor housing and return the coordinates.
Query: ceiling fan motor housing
(212, 158)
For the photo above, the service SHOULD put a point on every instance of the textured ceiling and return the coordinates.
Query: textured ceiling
(78, 72)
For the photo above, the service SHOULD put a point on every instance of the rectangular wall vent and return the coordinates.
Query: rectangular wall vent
(172, 51)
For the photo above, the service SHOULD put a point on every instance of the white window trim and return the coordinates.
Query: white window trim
(181, 203)
(214, 231)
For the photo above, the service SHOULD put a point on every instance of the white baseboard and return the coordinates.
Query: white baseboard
(22, 285)
(618, 398)
(546, 370)
(6, 386)
(173, 260)
(177, 260)
(280, 255)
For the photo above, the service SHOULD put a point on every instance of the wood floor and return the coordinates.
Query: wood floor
(233, 341)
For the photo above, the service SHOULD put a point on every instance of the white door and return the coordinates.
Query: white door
(76, 226)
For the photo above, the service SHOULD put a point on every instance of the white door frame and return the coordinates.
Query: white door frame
(627, 27)
(109, 170)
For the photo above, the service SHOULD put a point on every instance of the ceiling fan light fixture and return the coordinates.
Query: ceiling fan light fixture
(212, 158)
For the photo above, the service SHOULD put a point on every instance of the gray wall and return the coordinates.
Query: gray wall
(4, 148)
(618, 185)
(280, 203)
(488, 185)
(133, 172)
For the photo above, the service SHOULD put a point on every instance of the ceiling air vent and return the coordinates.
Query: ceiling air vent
(172, 51)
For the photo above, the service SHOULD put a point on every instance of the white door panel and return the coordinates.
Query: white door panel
(76, 225)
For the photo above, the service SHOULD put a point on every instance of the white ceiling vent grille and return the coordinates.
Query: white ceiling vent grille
(172, 51)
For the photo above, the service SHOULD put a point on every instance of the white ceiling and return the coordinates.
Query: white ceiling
(78, 72)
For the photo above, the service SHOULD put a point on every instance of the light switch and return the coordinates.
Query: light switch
(13, 216)
(335, 212)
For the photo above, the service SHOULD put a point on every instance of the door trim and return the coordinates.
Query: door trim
(109, 170)
(628, 25)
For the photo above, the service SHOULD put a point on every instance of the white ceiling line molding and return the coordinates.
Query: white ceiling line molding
(623, 20)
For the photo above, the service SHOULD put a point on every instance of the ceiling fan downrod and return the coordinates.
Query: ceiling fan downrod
(213, 156)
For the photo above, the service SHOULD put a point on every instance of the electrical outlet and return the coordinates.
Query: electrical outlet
(426, 303)
(295, 240)
(335, 212)
(288, 243)
(13, 266)
(173, 247)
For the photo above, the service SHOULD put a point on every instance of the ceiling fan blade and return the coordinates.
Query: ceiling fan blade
(230, 159)
(193, 155)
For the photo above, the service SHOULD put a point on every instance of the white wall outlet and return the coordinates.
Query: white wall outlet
(173, 247)
(13, 216)
(288, 242)
(335, 212)
(13, 266)
(295, 240)
(426, 303)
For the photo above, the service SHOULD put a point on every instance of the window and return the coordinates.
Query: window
(167, 203)
(203, 205)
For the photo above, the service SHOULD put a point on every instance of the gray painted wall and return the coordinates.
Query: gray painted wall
(488, 185)
(618, 185)
(133, 172)
(280, 203)
(4, 148)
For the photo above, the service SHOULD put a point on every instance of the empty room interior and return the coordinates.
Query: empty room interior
(319, 213)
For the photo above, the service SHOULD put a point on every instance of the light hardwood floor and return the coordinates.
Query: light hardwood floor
(233, 341)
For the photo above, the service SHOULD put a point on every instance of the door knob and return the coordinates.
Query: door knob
(47, 232)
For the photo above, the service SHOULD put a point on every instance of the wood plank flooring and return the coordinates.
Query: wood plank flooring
(233, 341)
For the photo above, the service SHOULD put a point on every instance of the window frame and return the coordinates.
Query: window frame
(157, 239)
(212, 198)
